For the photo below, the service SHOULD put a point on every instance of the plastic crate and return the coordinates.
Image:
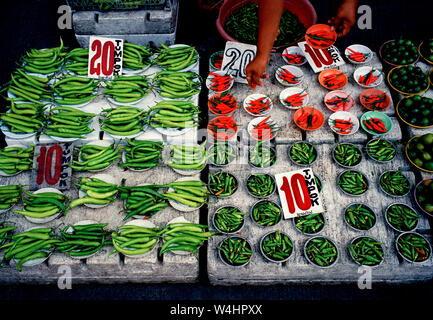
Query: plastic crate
(110, 5)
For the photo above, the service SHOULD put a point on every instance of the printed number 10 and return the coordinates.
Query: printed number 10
(320, 57)
(296, 192)
(45, 165)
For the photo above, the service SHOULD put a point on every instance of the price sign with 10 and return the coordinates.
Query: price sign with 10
(298, 192)
(321, 59)
(236, 57)
(105, 57)
(51, 166)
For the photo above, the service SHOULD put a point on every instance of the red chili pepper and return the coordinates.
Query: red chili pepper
(294, 58)
(320, 39)
(219, 82)
(357, 56)
(287, 76)
(223, 103)
(332, 80)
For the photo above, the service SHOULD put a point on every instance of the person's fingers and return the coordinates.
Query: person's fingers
(264, 76)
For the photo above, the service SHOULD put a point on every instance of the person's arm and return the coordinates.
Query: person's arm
(270, 12)
(345, 17)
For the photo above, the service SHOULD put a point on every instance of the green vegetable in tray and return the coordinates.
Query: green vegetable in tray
(321, 251)
(242, 25)
(420, 151)
(416, 110)
(261, 185)
(303, 153)
(413, 247)
(235, 251)
(394, 183)
(261, 156)
(409, 79)
(366, 251)
(381, 150)
(310, 224)
(402, 217)
(353, 182)
(277, 246)
(228, 219)
(400, 52)
(424, 195)
(347, 155)
(266, 213)
(360, 217)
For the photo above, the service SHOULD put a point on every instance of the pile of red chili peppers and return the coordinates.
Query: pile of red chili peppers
(223, 103)
(368, 79)
(357, 56)
(219, 83)
(333, 81)
(288, 77)
(320, 39)
(338, 103)
(375, 125)
(342, 126)
(294, 58)
(264, 130)
(218, 61)
(375, 102)
(258, 106)
(308, 120)
(295, 100)
(222, 128)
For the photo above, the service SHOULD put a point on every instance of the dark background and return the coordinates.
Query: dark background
(33, 24)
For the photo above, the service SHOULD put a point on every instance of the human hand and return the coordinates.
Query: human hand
(345, 18)
(255, 71)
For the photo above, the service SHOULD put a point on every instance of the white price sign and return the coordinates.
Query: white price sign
(299, 194)
(236, 57)
(105, 57)
(321, 59)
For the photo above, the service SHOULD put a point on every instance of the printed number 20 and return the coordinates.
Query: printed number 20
(296, 191)
(45, 165)
(103, 59)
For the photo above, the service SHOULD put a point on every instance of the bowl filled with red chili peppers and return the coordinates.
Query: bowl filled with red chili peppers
(374, 100)
(308, 118)
(339, 100)
(216, 60)
(368, 77)
(332, 79)
(320, 36)
(358, 54)
(376, 123)
(289, 75)
(343, 122)
(294, 97)
(222, 103)
(219, 81)
(263, 128)
(257, 104)
(294, 55)
(222, 128)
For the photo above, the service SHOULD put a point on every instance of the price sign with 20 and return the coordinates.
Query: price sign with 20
(236, 58)
(51, 166)
(105, 57)
(299, 194)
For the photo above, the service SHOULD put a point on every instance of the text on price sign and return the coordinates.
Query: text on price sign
(299, 193)
(51, 166)
(236, 58)
(321, 59)
(105, 57)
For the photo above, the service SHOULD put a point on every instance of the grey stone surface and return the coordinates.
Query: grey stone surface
(297, 269)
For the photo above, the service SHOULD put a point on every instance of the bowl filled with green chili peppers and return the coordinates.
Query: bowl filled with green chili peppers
(360, 217)
(238, 21)
(310, 224)
(321, 251)
(262, 156)
(401, 217)
(347, 155)
(366, 251)
(235, 251)
(260, 185)
(222, 153)
(381, 150)
(302, 153)
(394, 183)
(266, 213)
(222, 184)
(352, 182)
(228, 219)
(413, 247)
(276, 246)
